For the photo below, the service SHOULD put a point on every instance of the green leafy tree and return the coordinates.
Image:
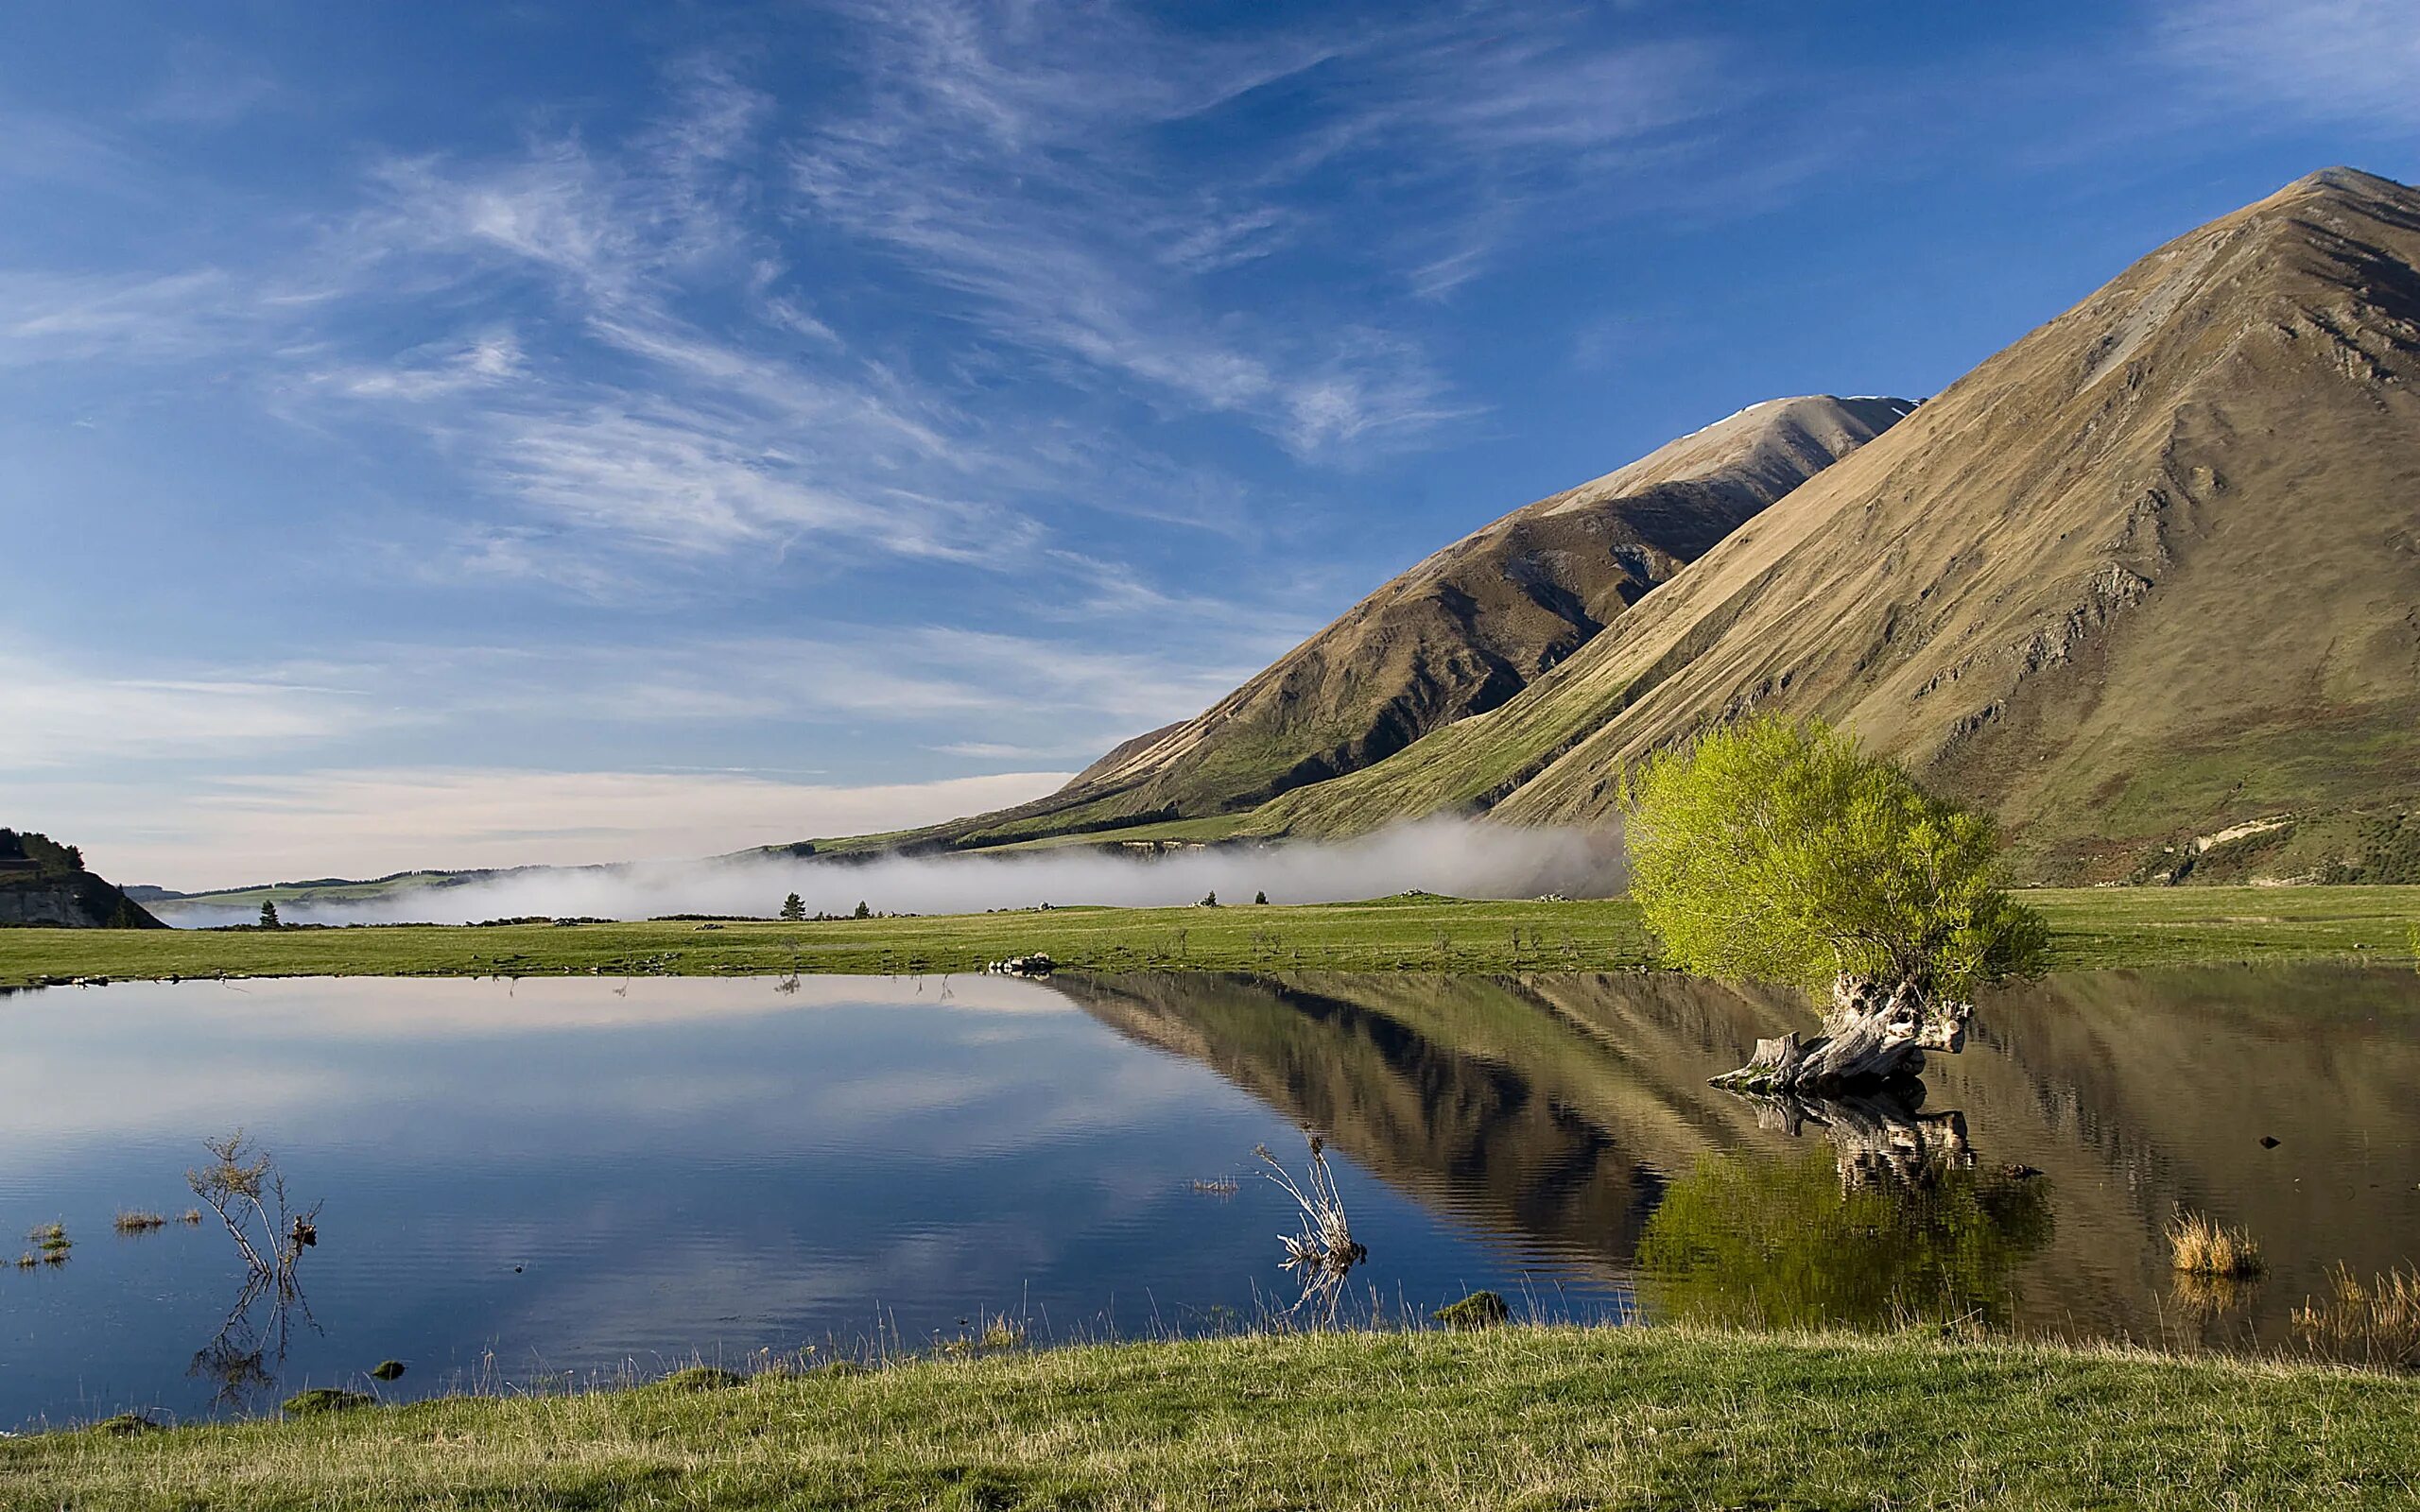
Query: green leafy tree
(863, 912)
(793, 907)
(1260, 898)
(268, 913)
(1775, 851)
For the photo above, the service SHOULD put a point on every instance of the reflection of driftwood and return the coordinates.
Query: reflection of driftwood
(1878, 1139)
(242, 1359)
(1871, 1037)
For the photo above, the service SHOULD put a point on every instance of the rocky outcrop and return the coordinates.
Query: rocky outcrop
(43, 885)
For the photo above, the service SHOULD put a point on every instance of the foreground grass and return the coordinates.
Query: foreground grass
(2096, 927)
(1559, 1417)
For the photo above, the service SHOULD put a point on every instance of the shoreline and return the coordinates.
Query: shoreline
(2090, 928)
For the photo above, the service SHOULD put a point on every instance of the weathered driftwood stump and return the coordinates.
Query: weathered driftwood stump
(1873, 1036)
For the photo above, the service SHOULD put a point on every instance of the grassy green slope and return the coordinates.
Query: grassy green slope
(2092, 927)
(1515, 1417)
(2143, 576)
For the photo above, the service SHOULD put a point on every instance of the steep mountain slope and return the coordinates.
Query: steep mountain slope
(1464, 630)
(2149, 574)
(43, 883)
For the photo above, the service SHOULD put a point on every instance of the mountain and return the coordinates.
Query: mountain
(1458, 633)
(2147, 584)
(45, 884)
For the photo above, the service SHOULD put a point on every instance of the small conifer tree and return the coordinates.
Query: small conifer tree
(793, 907)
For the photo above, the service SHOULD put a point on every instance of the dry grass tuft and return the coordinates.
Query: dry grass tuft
(135, 1221)
(2199, 1246)
(2375, 1323)
(1002, 1331)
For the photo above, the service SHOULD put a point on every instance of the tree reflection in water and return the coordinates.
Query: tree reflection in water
(242, 1360)
(1896, 1226)
(243, 1185)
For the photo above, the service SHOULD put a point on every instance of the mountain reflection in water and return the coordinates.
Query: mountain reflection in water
(1572, 1112)
(544, 1180)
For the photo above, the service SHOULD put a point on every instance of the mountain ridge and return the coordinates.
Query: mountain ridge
(1461, 631)
(2145, 573)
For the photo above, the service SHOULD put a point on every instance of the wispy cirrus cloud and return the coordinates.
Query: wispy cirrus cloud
(680, 392)
(2335, 60)
(54, 716)
(1009, 156)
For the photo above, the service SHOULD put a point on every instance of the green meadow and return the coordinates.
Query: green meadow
(2090, 928)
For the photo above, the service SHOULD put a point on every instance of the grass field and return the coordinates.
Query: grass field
(1559, 1417)
(2095, 927)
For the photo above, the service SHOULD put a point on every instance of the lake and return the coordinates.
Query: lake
(534, 1181)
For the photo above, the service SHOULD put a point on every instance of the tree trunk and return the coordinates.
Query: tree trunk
(1871, 1037)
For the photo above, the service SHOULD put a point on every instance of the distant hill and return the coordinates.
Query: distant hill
(43, 883)
(328, 891)
(2147, 584)
(1457, 634)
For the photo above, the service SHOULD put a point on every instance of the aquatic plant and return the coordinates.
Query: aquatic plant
(2199, 1246)
(2376, 1321)
(136, 1221)
(1324, 1252)
(1001, 1331)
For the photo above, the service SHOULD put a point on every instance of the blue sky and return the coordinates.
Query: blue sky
(458, 435)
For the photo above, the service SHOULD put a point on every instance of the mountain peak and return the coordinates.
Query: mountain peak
(2143, 576)
(1461, 631)
(2346, 181)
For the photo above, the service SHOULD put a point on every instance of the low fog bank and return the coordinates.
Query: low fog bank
(1456, 857)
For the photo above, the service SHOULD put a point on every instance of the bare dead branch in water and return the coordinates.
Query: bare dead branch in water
(1324, 1252)
(243, 1185)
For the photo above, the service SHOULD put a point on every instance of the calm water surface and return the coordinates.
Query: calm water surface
(553, 1179)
